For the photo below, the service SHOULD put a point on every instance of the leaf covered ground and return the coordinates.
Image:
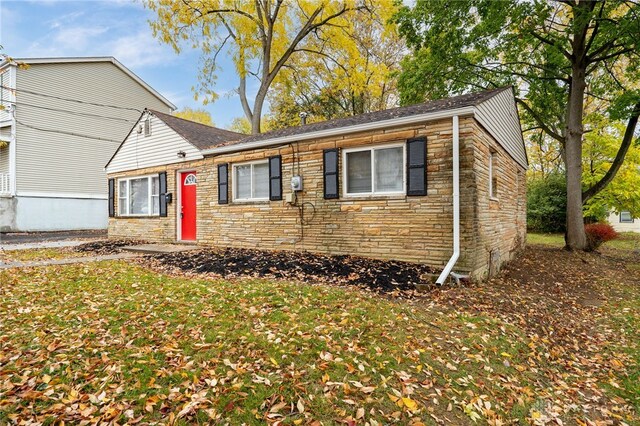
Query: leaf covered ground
(554, 339)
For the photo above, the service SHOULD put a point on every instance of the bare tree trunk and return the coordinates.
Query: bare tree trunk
(576, 239)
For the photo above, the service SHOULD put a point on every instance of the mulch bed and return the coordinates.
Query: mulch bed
(103, 247)
(380, 276)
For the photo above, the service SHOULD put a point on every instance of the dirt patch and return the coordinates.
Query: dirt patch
(549, 292)
(377, 275)
(107, 246)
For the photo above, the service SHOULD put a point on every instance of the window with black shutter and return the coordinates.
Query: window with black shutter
(330, 172)
(275, 178)
(417, 166)
(162, 180)
(112, 190)
(223, 183)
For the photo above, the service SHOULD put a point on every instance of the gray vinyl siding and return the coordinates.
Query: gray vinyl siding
(53, 162)
(161, 147)
(499, 116)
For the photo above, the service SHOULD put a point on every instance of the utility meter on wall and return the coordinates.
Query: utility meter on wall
(296, 183)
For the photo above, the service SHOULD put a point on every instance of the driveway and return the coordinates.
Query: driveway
(30, 240)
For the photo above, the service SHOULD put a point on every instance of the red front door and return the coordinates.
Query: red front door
(188, 206)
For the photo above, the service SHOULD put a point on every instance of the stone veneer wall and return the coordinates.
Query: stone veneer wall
(151, 228)
(501, 221)
(417, 229)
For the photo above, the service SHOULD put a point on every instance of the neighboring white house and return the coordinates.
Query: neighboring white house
(61, 120)
(624, 222)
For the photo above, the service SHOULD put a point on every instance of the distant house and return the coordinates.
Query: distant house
(624, 222)
(441, 183)
(61, 120)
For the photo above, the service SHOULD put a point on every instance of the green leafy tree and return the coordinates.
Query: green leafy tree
(198, 115)
(547, 203)
(352, 72)
(601, 145)
(261, 37)
(558, 55)
(240, 125)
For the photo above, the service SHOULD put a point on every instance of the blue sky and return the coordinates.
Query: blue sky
(118, 28)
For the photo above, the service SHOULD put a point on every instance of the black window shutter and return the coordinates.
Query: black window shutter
(223, 183)
(162, 179)
(112, 198)
(417, 166)
(275, 178)
(330, 172)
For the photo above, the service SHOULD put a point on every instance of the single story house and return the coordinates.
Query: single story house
(441, 183)
(624, 221)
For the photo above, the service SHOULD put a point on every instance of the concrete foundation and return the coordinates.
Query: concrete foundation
(42, 214)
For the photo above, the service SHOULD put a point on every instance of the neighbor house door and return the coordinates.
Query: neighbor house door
(188, 206)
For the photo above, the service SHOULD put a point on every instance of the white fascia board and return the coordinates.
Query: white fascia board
(376, 125)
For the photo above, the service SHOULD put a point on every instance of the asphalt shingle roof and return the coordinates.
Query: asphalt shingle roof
(200, 135)
(455, 102)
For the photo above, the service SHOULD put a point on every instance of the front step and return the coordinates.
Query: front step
(160, 248)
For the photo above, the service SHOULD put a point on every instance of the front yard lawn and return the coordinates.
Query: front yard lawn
(553, 338)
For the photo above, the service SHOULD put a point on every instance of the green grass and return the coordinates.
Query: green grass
(29, 255)
(555, 240)
(240, 348)
(625, 241)
(118, 342)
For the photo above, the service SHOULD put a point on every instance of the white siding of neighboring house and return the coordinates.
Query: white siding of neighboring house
(5, 95)
(61, 164)
(614, 220)
(161, 147)
(5, 135)
(499, 116)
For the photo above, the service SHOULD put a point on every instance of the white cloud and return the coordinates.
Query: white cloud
(62, 20)
(138, 50)
(77, 39)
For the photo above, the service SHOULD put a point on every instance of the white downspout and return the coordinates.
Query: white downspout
(456, 204)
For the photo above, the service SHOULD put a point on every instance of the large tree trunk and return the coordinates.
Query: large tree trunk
(576, 238)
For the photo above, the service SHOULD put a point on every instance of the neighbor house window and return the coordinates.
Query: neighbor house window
(251, 181)
(493, 179)
(625, 217)
(377, 170)
(139, 196)
(147, 126)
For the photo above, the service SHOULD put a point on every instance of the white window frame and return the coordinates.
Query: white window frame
(234, 191)
(345, 183)
(150, 196)
(492, 194)
(626, 221)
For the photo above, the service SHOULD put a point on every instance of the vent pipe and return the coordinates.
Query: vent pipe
(303, 117)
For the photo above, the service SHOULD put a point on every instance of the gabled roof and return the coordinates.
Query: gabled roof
(494, 109)
(199, 135)
(111, 59)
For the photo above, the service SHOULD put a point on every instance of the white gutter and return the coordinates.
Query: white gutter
(456, 204)
(342, 130)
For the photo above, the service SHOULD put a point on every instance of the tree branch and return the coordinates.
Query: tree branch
(617, 162)
(557, 136)
(552, 43)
